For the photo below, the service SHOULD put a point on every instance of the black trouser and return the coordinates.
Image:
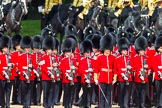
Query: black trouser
(16, 83)
(158, 88)
(141, 94)
(124, 92)
(105, 95)
(48, 91)
(36, 92)
(68, 94)
(77, 89)
(95, 94)
(26, 89)
(87, 95)
(5, 92)
(56, 95)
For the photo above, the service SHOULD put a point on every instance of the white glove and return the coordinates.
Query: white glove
(96, 82)
(70, 78)
(142, 78)
(87, 81)
(90, 70)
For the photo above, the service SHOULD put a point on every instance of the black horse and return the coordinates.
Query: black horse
(14, 16)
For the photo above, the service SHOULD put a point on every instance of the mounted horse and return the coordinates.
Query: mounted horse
(158, 22)
(13, 18)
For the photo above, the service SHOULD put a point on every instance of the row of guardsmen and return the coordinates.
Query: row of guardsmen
(94, 64)
(116, 5)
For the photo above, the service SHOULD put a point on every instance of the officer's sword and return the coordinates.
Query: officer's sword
(103, 93)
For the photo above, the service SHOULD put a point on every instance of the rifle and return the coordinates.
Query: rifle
(56, 69)
(128, 72)
(72, 71)
(38, 70)
(29, 69)
(88, 76)
(143, 72)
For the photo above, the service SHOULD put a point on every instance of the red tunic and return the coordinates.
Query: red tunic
(105, 68)
(138, 62)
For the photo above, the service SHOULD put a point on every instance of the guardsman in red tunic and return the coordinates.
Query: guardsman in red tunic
(86, 69)
(141, 65)
(123, 67)
(16, 95)
(48, 73)
(157, 75)
(69, 70)
(105, 71)
(26, 73)
(6, 76)
(58, 84)
(96, 52)
(36, 59)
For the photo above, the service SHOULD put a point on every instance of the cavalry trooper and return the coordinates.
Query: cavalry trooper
(123, 66)
(68, 68)
(77, 3)
(36, 59)
(86, 69)
(26, 73)
(121, 5)
(151, 5)
(49, 4)
(104, 74)
(6, 76)
(16, 95)
(157, 73)
(156, 12)
(141, 66)
(48, 76)
(113, 4)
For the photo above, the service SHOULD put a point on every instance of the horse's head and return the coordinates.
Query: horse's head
(73, 13)
(24, 6)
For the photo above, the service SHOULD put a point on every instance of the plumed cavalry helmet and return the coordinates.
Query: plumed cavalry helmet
(16, 40)
(158, 43)
(68, 45)
(96, 41)
(37, 42)
(140, 43)
(26, 42)
(70, 30)
(89, 30)
(48, 43)
(123, 43)
(106, 42)
(5, 41)
(85, 46)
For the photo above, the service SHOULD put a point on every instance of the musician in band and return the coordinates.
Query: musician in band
(68, 68)
(141, 66)
(16, 95)
(48, 77)
(123, 66)
(6, 76)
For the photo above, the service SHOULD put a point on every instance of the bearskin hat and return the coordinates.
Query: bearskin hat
(85, 46)
(48, 43)
(5, 41)
(141, 43)
(70, 30)
(110, 29)
(48, 31)
(16, 40)
(158, 43)
(96, 41)
(26, 42)
(122, 34)
(123, 43)
(88, 31)
(68, 45)
(37, 42)
(73, 37)
(106, 42)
